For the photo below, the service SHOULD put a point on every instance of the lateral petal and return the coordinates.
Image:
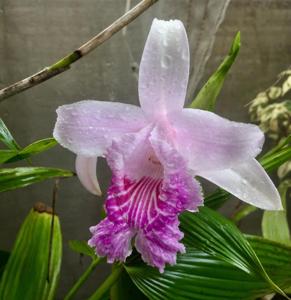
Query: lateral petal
(164, 68)
(86, 171)
(249, 182)
(88, 127)
(210, 142)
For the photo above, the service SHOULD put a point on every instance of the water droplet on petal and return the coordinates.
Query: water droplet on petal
(166, 60)
(165, 42)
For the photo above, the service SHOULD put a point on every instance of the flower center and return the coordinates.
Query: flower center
(154, 160)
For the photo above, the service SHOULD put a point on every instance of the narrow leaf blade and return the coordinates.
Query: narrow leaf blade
(7, 138)
(14, 178)
(32, 149)
(206, 97)
(6, 155)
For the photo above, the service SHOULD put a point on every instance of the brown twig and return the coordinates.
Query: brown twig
(65, 63)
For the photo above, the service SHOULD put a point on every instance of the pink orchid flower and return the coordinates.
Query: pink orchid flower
(156, 150)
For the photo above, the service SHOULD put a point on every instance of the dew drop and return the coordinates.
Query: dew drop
(166, 60)
(244, 182)
(185, 55)
(165, 42)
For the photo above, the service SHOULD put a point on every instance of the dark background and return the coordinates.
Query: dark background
(35, 33)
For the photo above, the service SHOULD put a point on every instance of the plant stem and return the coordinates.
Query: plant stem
(82, 279)
(65, 63)
(54, 199)
(243, 212)
(107, 284)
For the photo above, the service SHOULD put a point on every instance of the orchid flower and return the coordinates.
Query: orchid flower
(155, 151)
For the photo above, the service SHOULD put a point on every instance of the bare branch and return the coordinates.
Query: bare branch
(65, 63)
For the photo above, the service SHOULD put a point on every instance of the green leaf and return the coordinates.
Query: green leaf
(202, 276)
(206, 97)
(82, 247)
(275, 257)
(274, 224)
(33, 270)
(272, 162)
(5, 155)
(34, 148)
(284, 142)
(6, 137)
(216, 199)
(9, 156)
(243, 212)
(214, 234)
(14, 178)
(4, 255)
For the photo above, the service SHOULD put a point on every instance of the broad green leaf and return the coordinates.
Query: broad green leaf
(8, 156)
(14, 178)
(33, 268)
(202, 276)
(4, 255)
(206, 97)
(275, 224)
(275, 257)
(6, 137)
(212, 233)
(82, 247)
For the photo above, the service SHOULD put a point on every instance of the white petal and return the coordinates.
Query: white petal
(210, 142)
(86, 171)
(88, 127)
(249, 182)
(164, 68)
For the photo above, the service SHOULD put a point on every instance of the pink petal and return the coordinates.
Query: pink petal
(88, 127)
(86, 171)
(146, 205)
(164, 68)
(161, 244)
(249, 182)
(210, 142)
(111, 240)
